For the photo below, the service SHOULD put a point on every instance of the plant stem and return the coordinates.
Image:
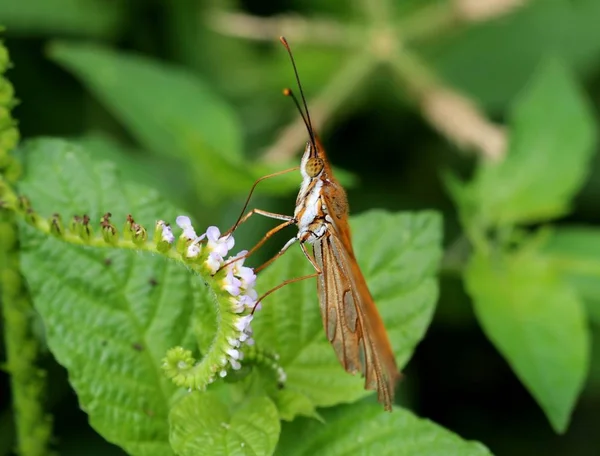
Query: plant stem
(33, 425)
(452, 114)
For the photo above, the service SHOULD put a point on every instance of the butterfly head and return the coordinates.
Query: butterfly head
(312, 165)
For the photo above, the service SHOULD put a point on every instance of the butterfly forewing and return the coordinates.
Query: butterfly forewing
(351, 320)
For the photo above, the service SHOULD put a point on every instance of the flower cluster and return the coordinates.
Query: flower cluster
(234, 281)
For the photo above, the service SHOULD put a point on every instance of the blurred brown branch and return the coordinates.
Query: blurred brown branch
(459, 120)
(483, 10)
(294, 27)
(452, 114)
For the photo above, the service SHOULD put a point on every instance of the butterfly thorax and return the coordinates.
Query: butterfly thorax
(319, 196)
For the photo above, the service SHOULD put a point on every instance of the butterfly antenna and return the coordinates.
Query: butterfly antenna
(288, 92)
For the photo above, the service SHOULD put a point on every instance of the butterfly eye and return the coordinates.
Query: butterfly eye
(314, 166)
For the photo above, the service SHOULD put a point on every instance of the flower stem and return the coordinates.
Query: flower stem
(33, 425)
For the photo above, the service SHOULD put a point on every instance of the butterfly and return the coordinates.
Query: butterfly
(350, 317)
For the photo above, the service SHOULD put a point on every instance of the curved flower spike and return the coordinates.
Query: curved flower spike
(236, 298)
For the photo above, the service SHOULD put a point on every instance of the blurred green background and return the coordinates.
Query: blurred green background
(62, 51)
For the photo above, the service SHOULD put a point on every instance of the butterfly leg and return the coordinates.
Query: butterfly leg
(287, 245)
(310, 258)
(283, 284)
(242, 218)
(295, 279)
(265, 238)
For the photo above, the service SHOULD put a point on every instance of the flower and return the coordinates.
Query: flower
(185, 224)
(213, 262)
(232, 284)
(243, 323)
(237, 280)
(281, 375)
(166, 232)
(193, 250)
(218, 244)
(233, 353)
(248, 301)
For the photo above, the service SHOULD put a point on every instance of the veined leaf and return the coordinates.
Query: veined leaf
(203, 425)
(552, 137)
(537, 322)
(399, 254)
(110, 316)
(364, 429)
(171, 112)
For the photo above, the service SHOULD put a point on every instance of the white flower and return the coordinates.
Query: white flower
(235, 343)
(166, 233)
(193, 250)
(234, 354)
(281, 375)
(213, 262)
(235, 364)
(243, 323)
(232, 284)
(185, 224)
(218, 244)
(237, 304)
(247, 301)
(247, 277)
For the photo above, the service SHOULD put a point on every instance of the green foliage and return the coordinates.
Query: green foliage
(514, 46)
(94, 18)
(106, 321)
(361, 428)
(552, 138)
(538, 324)
(171, 112)
(180, 98)
(27, 380)
(201, 424)
(526, 305)
(575, 252)
(117, 307)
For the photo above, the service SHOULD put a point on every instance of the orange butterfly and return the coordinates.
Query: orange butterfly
(351, 320)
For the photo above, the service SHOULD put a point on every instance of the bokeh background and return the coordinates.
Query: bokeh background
(370, 116)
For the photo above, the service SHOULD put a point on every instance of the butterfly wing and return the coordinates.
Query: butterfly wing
(352, 322)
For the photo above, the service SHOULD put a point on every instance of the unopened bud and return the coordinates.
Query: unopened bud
(56, 225)
(109, 232)
(139, 235)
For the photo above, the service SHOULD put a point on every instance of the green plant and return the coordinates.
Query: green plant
(138, 319)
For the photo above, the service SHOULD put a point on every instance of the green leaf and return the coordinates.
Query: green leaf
(173, 113)
(169, 110)
(291, 404)
(109, 315)
(203, 425)
(93, 18)
(575, 252)
(399, 255)
(552, 137)
(537, 323)
(364, 428)
(154, 171)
